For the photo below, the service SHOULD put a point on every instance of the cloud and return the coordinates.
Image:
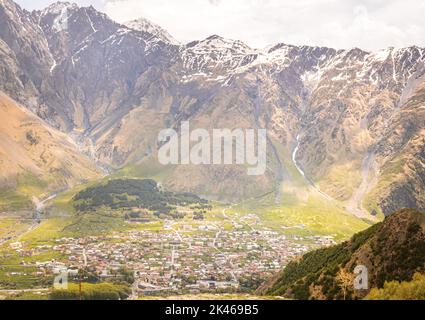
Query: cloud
(369, 24)
(41, 4)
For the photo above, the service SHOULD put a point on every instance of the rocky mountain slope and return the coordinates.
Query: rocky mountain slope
(36, 159)
(336, 119)
(393, 250)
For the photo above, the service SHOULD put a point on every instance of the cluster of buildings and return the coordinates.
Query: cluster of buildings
(184, 260)
(188, 263)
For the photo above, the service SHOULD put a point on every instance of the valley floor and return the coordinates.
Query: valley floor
(232, 249)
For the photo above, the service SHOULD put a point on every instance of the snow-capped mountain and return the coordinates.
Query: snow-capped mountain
(216, 54)
(152, 29)
(112, 87)
(60, 12)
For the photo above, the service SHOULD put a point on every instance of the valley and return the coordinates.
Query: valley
(83, 193)
(224, 249)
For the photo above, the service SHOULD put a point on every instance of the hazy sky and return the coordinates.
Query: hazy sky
(368, 24)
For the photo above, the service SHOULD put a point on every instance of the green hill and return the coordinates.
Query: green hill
(393, 250)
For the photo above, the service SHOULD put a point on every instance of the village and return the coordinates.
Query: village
(177, 260)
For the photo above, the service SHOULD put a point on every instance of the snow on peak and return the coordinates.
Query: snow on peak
(216, 53)
(216, 43)
(61, 12)
(144, 25)
(58, 7)
(382, 55)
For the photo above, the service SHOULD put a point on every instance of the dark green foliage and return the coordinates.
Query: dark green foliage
(124, 275)
(134, 193)
(250, 282)
(299, 275)
(199, 215)
(407, 256)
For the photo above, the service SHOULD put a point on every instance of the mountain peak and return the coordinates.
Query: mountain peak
(60, 12)
(216, 39)
(216, 53)
(58, 7)
(145, 25)
(216, 43)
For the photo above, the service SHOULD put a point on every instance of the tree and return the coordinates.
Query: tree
(345, 280)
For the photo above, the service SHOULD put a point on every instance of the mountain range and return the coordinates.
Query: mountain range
(349, 124)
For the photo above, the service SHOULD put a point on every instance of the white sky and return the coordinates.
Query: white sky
(368, 24)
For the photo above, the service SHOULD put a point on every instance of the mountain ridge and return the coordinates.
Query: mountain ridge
(113, 88)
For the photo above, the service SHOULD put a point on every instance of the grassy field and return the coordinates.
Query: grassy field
(12, 200)
(46, 232)
(19, 197)
(312, 215)
(10, 226)
(41, 295)
(62, 204)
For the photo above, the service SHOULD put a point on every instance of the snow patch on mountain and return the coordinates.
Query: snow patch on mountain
(216, 55)
(61, 21)
(58, 7)
(144, 25)
(61, 11)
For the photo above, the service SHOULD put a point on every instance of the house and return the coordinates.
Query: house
(16, 245)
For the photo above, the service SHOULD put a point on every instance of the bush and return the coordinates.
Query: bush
(412, 290)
